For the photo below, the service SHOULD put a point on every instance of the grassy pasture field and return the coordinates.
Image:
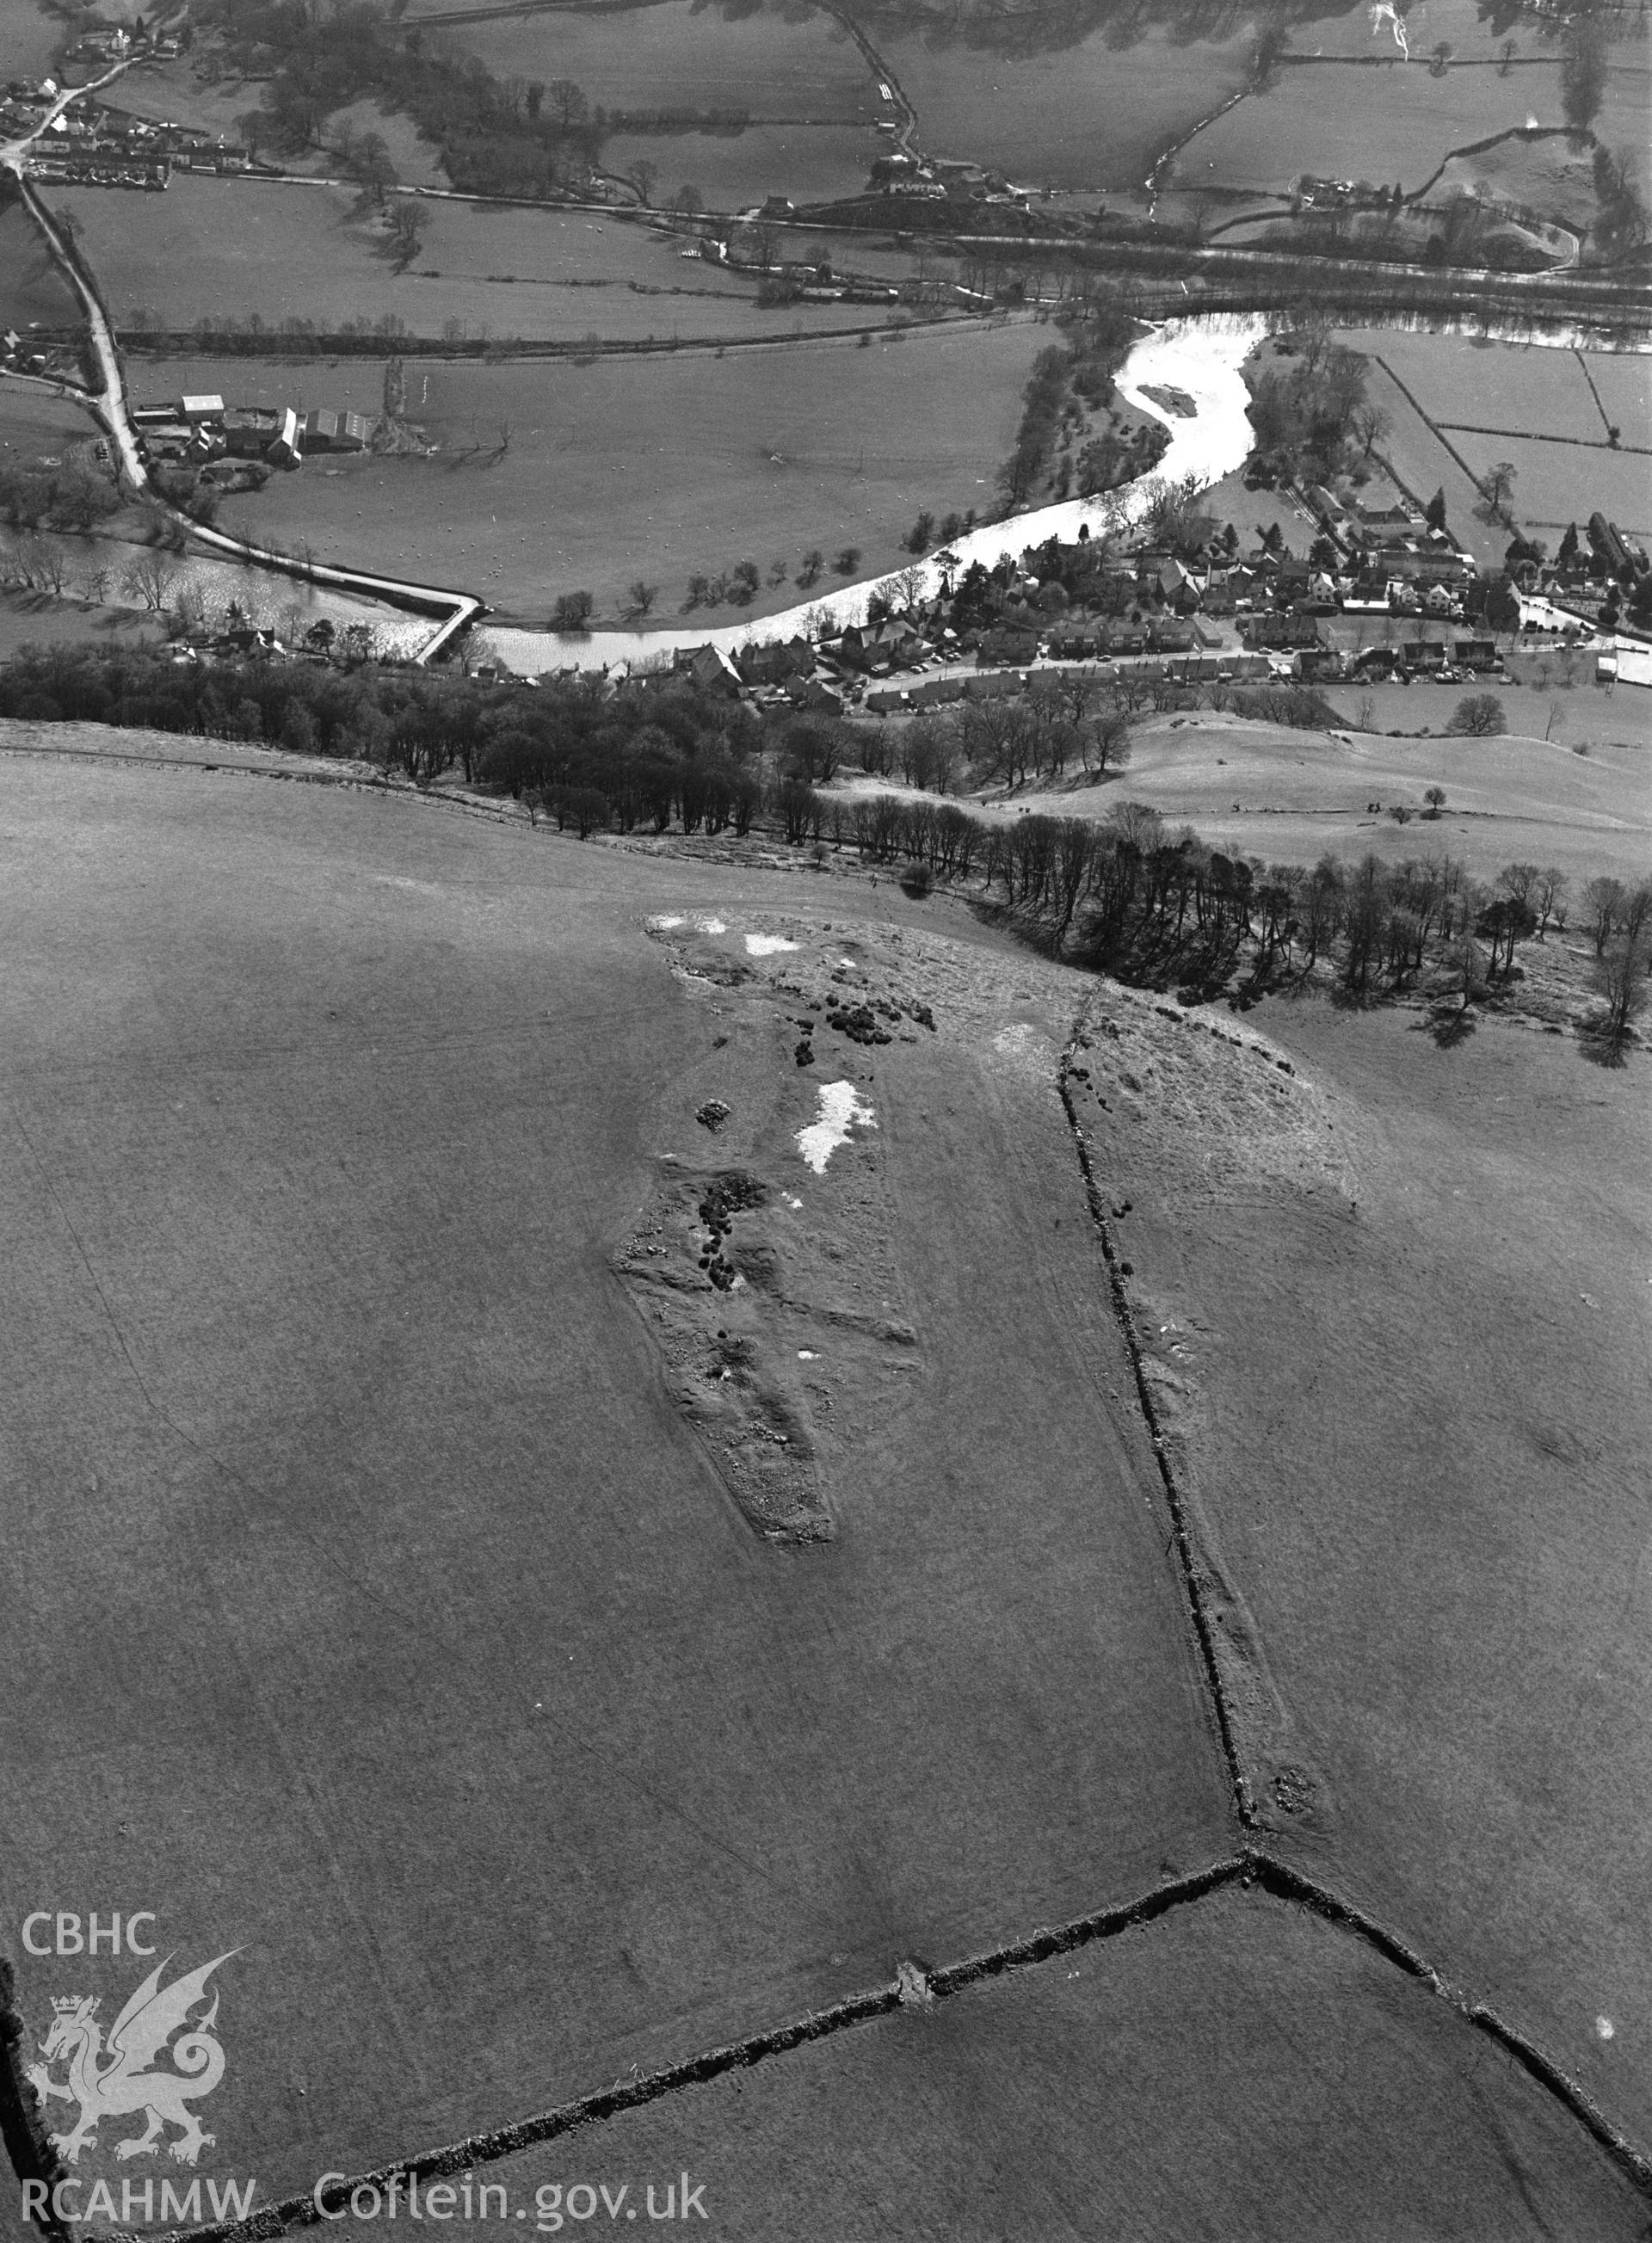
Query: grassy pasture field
(1559, 483)
(1288, 797)
(35, 424)
(654, 470)
(30, 619)
(1422, 463)
(1536, 389)
(1624, 381)
(188, 90)
(438, 1672)
(806, 163)
(418, 161)
(777, 63)
(1549, 176)
(1237, 2069)
(216, 250)
(1396, 123)
(1621, 122)
(1411, 1408)
(31, 292)
(31, 37)
(1091, 113)
(1456, 378)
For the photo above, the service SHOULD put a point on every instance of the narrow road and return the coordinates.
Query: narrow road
(886, 77)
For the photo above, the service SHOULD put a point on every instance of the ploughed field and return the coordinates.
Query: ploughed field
(583, 1495)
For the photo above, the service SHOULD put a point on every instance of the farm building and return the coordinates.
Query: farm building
(283, 449)
(249, 430)
(323, 431)
(1607, 540)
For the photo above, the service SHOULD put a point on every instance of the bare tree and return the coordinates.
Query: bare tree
(407, 222)
(906, 588)
(572, 611)
(642, 597)
(1497, 489)
(1480, 715)
(1603, 900)
(150, 578)
(1549, 896)
(644, 175)
(567, 99)
(1108, 740)
(1371, 424)
(1620, 977)
(1468, 959)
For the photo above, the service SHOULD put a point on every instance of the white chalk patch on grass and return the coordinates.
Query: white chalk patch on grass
(841, 1109)
(764, 945)
(712, 925)
(791, 1200)
(1606, 2029)
(806, 1354)
(667, 920)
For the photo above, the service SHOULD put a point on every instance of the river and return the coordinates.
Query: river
(1200, 357)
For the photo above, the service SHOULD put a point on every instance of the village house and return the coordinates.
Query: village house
(1281, 632)
(710, 668)
(876, 648)
(773, 663)
(814, 694)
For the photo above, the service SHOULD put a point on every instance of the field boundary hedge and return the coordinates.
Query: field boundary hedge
(1239, 1781)
(1246, 1871)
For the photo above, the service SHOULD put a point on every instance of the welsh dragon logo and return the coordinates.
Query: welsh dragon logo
(111, 2079)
